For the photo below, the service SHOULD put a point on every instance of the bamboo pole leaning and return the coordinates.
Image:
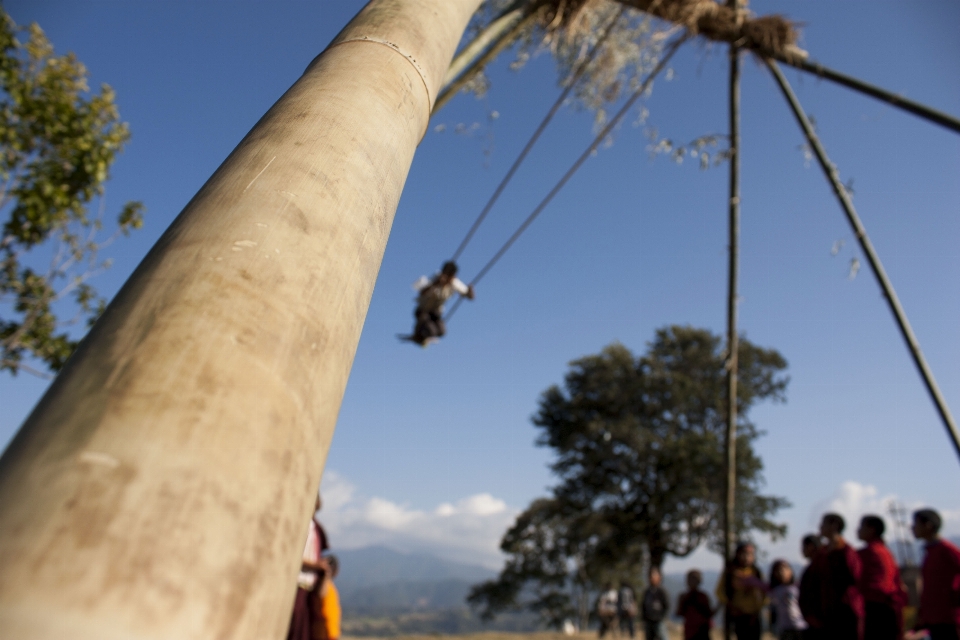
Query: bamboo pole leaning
(733, 342)
(162, 486)
(499, 27)
(832, 175)
(498, 36)
(927, 113)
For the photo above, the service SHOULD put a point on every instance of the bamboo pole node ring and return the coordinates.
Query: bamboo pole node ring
(406, 56)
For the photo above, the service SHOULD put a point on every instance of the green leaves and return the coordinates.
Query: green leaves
(640, 462)
(57, 143)
(131, 217)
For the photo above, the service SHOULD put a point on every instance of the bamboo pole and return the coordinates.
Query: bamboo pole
(490, 34)
(900, 102)
(162, 486)
(491, 42)
(733, 346)
(830, 171)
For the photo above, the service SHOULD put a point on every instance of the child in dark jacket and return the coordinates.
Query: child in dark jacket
(655, 606)
(694, 607)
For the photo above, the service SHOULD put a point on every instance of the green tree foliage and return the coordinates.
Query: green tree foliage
(639, 446)
(57, 142)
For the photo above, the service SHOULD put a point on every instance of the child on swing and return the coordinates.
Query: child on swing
(433, 295)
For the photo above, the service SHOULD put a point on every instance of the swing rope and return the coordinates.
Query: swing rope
(576, 165)
(578, 73)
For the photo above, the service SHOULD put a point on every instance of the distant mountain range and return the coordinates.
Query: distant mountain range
(371, 567)
(384, 592)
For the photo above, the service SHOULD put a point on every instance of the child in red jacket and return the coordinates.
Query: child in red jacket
(939, 614)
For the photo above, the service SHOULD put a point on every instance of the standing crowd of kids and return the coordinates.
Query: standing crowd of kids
(842, 593)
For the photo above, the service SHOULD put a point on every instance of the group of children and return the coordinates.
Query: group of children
(842, 594)
(620, 608)
(316, 609)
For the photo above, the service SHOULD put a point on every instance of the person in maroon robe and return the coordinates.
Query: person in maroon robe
(841, 602)
(939, 613)
(883, 593)
(305, 616)
(809, 598)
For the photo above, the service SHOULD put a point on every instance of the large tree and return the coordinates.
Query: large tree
(57, 142)
(639, 446)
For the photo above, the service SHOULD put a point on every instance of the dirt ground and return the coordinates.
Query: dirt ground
(674, 632)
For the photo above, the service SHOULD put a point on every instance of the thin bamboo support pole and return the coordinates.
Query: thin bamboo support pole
(917, 109)
(163, 485)
(733, 343)
(500, 35)
(830, 171)
(490, 34)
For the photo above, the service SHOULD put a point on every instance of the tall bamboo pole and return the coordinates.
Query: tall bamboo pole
(730, 442)
(162, 486)
(832, 175)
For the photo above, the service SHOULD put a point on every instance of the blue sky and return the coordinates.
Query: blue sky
(434, 449)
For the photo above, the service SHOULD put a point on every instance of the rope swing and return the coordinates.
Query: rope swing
(770, 38)
(577, 74)
(671, 49)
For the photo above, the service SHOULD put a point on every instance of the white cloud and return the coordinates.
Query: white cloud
(468, 530)
(482, 504)
(336, 492)
(853, 500)
(387, 515)
(951, 521)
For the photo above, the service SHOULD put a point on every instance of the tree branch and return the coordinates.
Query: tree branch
(19, 366)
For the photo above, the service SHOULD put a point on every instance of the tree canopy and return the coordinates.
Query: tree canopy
(640, 460)
(57, 143)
